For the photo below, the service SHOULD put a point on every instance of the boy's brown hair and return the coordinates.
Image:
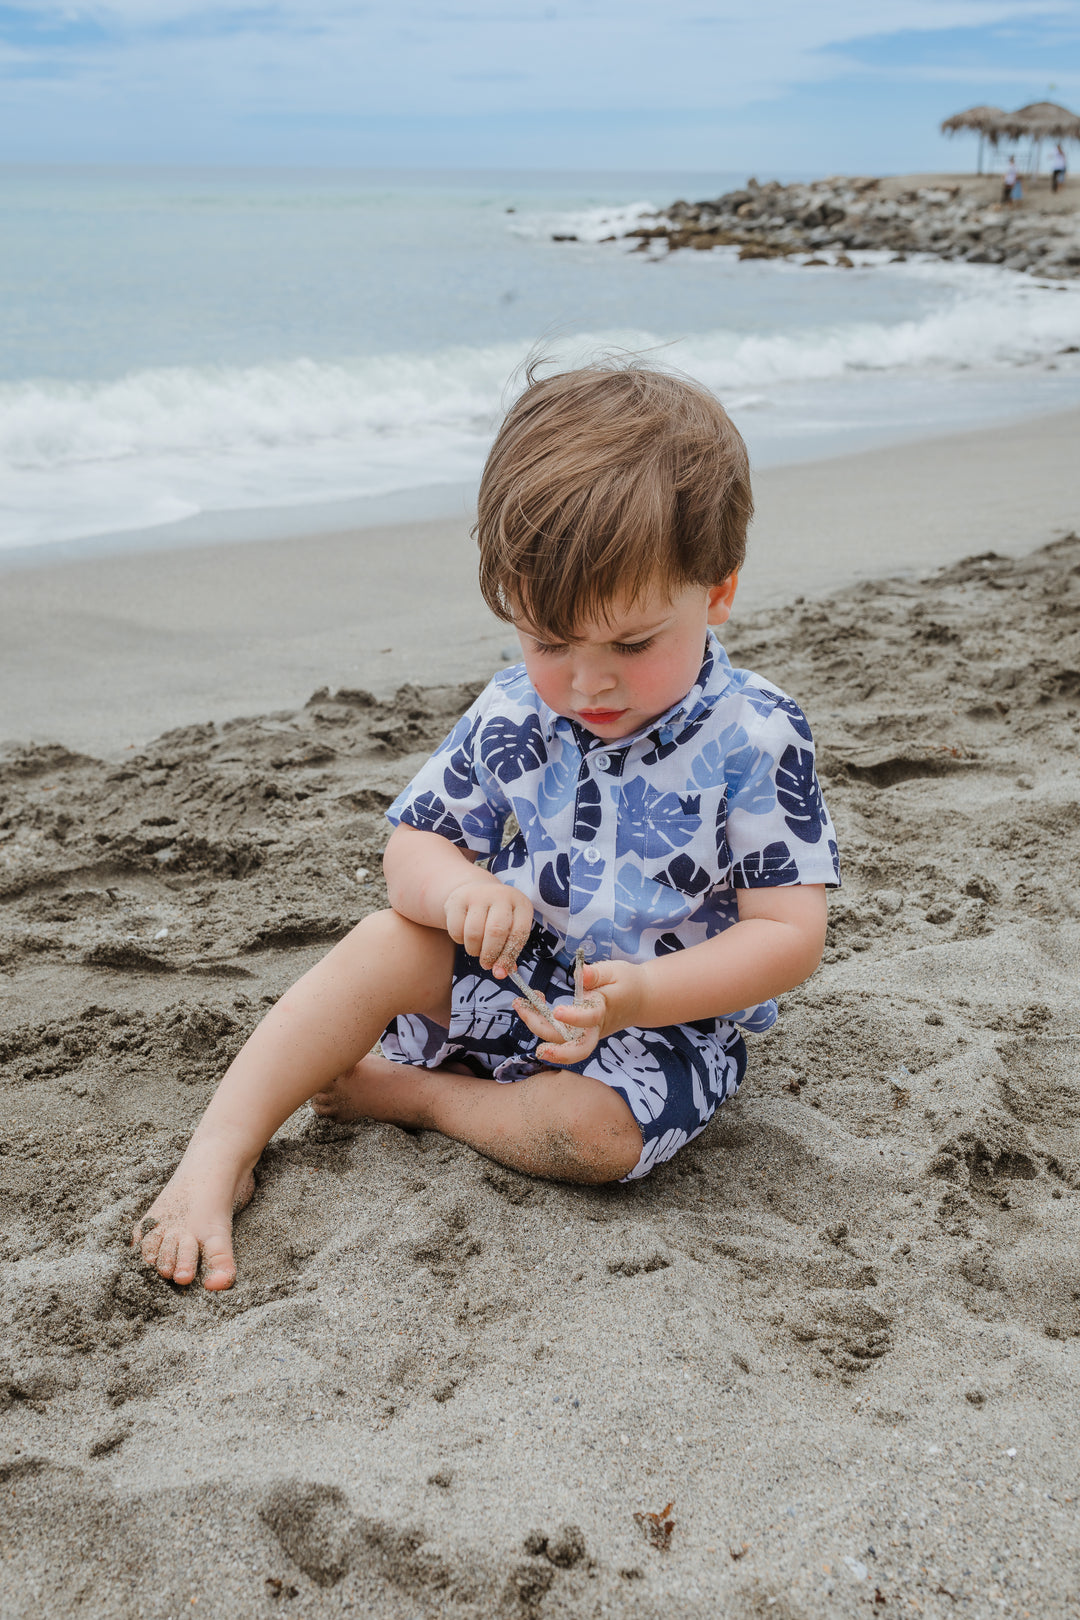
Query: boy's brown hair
(601, 481)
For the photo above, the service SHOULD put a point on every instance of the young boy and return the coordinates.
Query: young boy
(670, 827)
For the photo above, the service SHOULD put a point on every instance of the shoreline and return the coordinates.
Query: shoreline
(102, 652)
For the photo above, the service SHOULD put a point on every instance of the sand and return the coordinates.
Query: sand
(825, 1363)
(106, 650)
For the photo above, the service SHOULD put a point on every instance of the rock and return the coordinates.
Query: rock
(846, 215)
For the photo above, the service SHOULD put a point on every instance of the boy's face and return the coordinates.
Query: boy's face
(625, 670)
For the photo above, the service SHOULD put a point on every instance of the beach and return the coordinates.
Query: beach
(107, 650)
(823, 1363)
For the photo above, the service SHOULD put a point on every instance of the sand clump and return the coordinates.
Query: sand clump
(824, 1363)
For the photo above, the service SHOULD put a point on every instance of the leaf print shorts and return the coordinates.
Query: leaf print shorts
(673, 1080)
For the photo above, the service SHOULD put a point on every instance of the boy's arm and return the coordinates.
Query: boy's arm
(775, 945)
(436, 883)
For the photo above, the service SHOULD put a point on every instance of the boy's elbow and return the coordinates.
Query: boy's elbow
(805, 953)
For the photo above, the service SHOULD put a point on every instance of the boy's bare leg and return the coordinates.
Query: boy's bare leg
(318, 1030)
(556, 1123)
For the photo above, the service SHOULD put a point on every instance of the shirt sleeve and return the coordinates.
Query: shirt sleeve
(778, 831)
(454, 794)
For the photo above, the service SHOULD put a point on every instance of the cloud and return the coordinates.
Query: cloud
(149, 65)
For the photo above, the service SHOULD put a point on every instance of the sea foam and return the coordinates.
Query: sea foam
(159, 444)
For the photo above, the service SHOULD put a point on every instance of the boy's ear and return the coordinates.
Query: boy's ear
(720, 597)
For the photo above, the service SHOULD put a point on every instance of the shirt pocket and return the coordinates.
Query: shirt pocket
(687, 850)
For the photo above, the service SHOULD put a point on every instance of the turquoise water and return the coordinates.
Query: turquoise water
(179, 343)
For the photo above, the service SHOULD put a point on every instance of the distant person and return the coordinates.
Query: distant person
(672, 841)
(1011, 189)
(1058, 167)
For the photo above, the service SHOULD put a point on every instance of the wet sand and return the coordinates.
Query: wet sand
(822, 1364)
(109, 650)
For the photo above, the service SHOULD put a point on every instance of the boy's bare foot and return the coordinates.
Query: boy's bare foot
(557, 1124)
(191, 1219)
(374, 1089)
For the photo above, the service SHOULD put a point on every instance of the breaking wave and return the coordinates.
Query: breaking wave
(156, 445)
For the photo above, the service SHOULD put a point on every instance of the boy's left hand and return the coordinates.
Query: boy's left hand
(613, 999)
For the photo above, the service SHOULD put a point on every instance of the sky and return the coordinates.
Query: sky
(782, 86)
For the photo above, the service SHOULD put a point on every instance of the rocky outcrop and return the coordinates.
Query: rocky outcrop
(841, 215)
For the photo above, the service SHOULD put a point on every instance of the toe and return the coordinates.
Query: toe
(166, 1255)
(219, 1267)
(187, 1259)
(150, 1244)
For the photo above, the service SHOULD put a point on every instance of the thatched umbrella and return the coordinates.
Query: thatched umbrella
(1041, 121)
(987, 121)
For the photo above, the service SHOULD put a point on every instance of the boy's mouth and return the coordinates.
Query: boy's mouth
(600, 716)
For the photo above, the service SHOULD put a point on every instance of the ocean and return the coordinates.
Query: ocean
(230, 353)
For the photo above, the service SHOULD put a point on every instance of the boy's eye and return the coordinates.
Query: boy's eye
(634, 646)
(549, 646)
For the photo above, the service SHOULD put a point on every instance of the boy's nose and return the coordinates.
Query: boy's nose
(591, 682)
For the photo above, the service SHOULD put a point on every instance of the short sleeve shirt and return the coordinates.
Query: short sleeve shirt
(634, 848)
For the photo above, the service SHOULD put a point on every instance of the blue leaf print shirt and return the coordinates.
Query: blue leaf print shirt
(634, 848)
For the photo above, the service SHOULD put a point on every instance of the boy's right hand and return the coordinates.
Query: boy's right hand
(491, 920)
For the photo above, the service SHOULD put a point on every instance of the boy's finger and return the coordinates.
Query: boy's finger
(569, 1052)
(481, 920)
(583, 1014)
(536, 1021)
(514, 945)
(496, 928)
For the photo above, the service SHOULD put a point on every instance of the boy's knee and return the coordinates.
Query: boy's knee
(389, 931)
(599, 1140)
(419, 961)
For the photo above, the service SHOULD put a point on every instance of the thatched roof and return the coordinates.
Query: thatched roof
(1041, 120)
(987, 120)
(1044, 120)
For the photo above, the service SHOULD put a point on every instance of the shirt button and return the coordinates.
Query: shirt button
(603, 761)
(589, 947)
(591, 853)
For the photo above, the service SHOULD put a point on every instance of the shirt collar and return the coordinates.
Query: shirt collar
(713, 680)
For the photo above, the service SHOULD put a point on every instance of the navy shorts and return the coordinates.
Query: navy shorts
(673, 1080)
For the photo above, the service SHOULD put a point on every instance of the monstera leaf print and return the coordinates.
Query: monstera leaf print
(459, 781)
(677, 739)
(709, 769)
(537, 838)
(587, 810)
(557, 786)
(420, 1041)
(509, 750)
(628, 1053)
(750, 781)
(660, 1149)
(510, 857)
(766, 703)
(755, 1020)
(483, 826)
(799, 795)
(768, 868)
(653, 824)
(641, 904)
(490, 1004)
(718, 910)
(449, 745)
(585, 876)
(554, 882)
(667, 944)
(685, 875)
(428, 813)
